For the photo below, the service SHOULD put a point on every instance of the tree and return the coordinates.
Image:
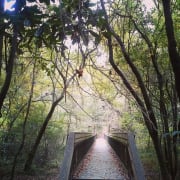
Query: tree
(144, 99)
(136, 43)
(63, 74)
(33, 27)
(12, 31)
(172, 44)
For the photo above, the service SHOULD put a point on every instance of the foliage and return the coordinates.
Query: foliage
(136, 52)
(44, 46)
(52, 142)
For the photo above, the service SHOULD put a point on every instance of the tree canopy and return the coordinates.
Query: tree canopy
(124, 55)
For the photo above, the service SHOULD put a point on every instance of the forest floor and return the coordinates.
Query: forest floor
(52, 174)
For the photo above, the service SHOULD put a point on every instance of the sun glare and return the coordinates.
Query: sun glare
(8, 5)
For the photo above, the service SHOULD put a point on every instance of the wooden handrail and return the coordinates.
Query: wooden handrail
(80, 136)
(77, 146)
(125, 147)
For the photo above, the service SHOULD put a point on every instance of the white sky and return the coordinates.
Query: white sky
(148, 3)
(8, 5)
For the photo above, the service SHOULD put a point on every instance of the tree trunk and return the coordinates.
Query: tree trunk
(172, 46)
(165, 174)
(1, 39)
(152, 131)
(145, 105)
(9, 68)
(25, 122)
(40, 135)
(32, 153)
(1, 53)
(168, 143)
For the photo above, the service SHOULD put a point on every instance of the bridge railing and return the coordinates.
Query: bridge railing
(125, 147)
(77, 146)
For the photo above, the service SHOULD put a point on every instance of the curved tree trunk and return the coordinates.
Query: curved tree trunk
(168, 143)
(9, 68)
(173, 55)
(1, 39)
(39, 137)
(25, 122)
(172, 46)
(149, 116)
(41, 132)
(152, 131)
(1, 51)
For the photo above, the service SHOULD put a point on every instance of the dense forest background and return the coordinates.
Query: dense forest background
(73, 65)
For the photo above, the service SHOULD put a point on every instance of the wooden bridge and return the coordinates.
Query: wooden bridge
(96, 153)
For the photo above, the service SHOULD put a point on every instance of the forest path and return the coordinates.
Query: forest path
(100, 162)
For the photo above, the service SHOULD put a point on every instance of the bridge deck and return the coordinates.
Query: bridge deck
(100, 162)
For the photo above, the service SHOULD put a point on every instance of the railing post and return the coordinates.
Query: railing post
(65, 170)
(137, 165)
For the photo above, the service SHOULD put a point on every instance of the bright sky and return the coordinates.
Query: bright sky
(148, 3)
(9, 3)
